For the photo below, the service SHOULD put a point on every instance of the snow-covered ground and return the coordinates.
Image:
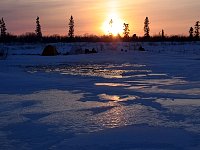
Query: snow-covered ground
(110, 100)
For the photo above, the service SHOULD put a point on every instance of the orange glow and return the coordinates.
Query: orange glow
(113, 25)
(95, 17)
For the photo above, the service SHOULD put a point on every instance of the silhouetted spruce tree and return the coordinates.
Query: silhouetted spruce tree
(111, 26)
(126, 30)
(191, 32)
(3, 29)
(71, 27)
(38, 29)
(197, 27)
(146, 28)
(0, 26)
(163, 34)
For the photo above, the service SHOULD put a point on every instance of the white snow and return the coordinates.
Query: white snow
(110, 100)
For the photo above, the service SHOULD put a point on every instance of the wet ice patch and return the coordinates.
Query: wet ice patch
(52, 107)
(113, 84)
(160, 81)
(155, 89)
(183, 111)
(18, 107)
(173, 86)
(117, 98)
(108, 71)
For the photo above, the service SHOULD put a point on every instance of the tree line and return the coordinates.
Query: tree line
(37, 36)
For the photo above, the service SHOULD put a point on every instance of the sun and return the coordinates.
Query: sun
(113, 25)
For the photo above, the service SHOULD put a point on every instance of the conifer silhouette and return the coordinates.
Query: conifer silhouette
(163, 34)
(38, 29)
(197, 27)
(126, 30)
(3, 28)
(71, 27)
(146, 27)
(191, 32)
(111, 26)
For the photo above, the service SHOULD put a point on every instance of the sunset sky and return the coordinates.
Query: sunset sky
(174, 16)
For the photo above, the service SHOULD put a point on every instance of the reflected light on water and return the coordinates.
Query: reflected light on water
(117, 98)
(172, 81)
(157, 74)
(137, 87)
(113, 84)
(108, 71)
(109, 97)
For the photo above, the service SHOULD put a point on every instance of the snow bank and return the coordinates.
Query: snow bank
(71, 48)
(110, 100)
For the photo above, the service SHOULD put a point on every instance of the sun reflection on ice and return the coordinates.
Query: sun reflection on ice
(113, 84)
(117, 98)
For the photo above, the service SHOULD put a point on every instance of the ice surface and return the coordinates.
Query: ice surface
(110, 100)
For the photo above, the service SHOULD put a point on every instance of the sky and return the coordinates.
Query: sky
(174, 16)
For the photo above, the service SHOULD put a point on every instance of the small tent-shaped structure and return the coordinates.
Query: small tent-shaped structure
(50, 50)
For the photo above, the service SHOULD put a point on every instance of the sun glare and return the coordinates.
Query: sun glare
(113, 25)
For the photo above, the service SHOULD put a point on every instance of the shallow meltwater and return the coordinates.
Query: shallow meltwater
(124, 94)
(113, 84)
(94, 70)
(117, 98)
